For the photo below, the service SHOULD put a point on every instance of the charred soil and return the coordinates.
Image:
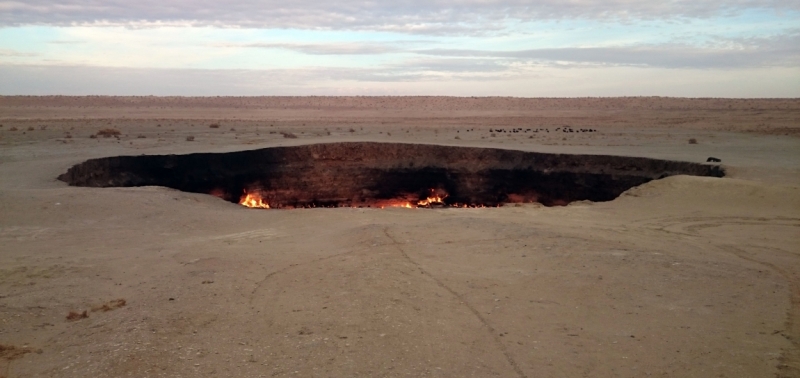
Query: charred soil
(365, 174)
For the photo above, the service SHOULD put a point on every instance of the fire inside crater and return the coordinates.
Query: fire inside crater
(380, 175)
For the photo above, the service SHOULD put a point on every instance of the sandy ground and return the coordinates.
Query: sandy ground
(686, 276)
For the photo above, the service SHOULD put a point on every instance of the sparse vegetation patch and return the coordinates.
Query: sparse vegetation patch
(108, 133)
(110, 305)
(73, 315)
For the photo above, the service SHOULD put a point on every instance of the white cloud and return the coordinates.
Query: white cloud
(481, 47)
(16, 54)
(529, 82)
(331, 48)
(405, 16)
(782, 51)
(65, 42)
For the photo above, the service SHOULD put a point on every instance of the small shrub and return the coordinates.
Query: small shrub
(692, 141)
(30, 128)
(190, 138)
(214, 125)
(289, 135)
(12, 128)
(73, 316)
(140, 136)
(10, 352)
(108, 133)
(110, 305)
(93, 136)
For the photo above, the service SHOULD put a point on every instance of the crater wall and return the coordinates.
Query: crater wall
(367, 173)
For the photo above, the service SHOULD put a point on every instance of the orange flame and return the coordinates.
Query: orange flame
(433, 198)
(253, 200)
(394, 203)
(436, 198)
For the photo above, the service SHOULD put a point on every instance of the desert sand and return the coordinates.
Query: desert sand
(680, 277)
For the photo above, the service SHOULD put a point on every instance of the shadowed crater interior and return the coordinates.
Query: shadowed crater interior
(384, 174)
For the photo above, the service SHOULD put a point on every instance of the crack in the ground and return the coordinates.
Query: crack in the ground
(283, 270)
(463, 301)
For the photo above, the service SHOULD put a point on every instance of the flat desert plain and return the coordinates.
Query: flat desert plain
(680, 277)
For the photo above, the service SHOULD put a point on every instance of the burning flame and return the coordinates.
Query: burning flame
(432, 199)
(436, 198)
(395, 203)
(253, 200)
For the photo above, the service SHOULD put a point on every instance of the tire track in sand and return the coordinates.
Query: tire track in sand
(463, 301)
(790, 359)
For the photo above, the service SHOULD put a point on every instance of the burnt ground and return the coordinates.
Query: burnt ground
(361, 174)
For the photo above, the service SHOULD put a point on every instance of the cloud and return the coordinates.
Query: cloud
(452, 66)
(65, 42)
(15, 53)
(333, 48)
(783, 50)
(544, 81)
(405, 16)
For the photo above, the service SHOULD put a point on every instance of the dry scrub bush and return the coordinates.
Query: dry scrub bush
(110, 305)
(214, 125)
(108, 133)
(289, 135)
(10, 352)
(73, 316)
(190, 138)
(692, 141)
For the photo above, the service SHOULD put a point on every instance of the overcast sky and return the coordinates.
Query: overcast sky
(555, 48)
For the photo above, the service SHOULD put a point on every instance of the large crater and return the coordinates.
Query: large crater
(362, 174)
